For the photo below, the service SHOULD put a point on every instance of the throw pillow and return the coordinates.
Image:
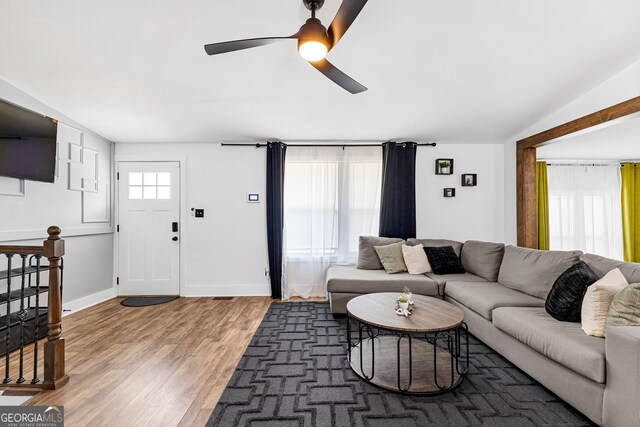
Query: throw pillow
(564, 301)
(416, 259)
(367, 256)
(391, 257)
(443, 260)
(625, 307)
(597, 300)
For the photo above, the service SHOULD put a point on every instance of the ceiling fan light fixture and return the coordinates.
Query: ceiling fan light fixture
(313, 43)
(312, 50)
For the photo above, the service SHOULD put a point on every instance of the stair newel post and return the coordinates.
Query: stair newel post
(54, 366)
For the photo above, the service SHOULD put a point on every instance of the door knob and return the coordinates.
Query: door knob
(174, 238)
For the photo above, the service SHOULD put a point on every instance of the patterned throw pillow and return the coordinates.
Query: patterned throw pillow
(391, 257)
(443, 260)
(564, 301)
(625, 307)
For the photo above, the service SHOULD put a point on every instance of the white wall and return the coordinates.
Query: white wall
(24, 219)
(476, 212)
(618, 88)
(224, 253)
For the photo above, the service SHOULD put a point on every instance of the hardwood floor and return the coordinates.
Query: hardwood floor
(164, 365)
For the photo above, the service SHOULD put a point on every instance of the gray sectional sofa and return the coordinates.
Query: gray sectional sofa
(502, 295)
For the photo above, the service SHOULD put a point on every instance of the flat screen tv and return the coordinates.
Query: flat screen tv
(27, 144)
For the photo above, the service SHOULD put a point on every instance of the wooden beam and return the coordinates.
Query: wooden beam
(526, 188)
(588, 122)
(526, 161)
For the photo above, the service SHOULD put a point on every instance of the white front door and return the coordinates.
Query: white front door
(149, 228)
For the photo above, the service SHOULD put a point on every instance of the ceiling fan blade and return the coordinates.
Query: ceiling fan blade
(348, 12)
(337, 76)
(231, 46)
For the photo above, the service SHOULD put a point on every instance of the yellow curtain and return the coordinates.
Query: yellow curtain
(631, 211)
(542, 206)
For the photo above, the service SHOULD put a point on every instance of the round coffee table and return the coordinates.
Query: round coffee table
(420, 354)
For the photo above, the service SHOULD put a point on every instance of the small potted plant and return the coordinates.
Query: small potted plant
(406, 292)
(445, 167)
(403, 303)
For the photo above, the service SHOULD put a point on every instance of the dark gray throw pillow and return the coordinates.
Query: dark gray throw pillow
(564, 301)
(443, 260)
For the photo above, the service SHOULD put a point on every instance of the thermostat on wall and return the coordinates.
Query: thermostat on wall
(253, 198)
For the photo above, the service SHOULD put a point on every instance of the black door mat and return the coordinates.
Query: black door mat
(145, 301)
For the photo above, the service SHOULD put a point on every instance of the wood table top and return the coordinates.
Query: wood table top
(428, 314)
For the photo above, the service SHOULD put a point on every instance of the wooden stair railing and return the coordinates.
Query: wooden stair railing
(16, 339)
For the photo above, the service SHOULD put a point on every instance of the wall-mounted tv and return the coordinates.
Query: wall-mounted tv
(27, 144)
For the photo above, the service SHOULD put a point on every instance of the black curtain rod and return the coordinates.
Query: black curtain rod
(259, 144)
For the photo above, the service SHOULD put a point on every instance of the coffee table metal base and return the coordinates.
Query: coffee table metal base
(408, 363)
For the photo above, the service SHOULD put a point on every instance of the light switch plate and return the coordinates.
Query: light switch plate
(253, 198)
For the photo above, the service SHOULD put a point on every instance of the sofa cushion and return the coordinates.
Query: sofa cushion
(443, 279)
(457, 246)
(562, 342)
(564, 301)
(485, 297)
(482, 258)
(347, 278)
(532, 271)
(367, 256)
(443, 260)
(601, 266)
(391, 257)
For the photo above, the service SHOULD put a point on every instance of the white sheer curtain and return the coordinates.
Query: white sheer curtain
(331, 197)
(585, 210)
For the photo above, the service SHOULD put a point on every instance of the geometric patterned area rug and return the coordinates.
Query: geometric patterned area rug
(295, 373)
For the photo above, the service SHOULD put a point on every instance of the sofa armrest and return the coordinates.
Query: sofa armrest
(622, 392)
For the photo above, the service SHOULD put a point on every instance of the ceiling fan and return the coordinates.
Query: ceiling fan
(314, 41)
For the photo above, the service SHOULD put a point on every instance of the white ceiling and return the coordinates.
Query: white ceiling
(620, 141)
(463, 71)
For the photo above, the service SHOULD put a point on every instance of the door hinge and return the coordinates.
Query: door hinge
(118, 176)
(118, 228)
(117, 280)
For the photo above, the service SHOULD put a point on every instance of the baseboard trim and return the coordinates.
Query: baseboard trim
(88, 301)
(261, 290)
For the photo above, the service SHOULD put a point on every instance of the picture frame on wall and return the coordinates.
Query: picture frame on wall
(469, 179)
(444, 166)
(449, 192)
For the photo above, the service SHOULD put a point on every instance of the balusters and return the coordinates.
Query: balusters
(22, 315)
(35, 379)
(25, 318)
(7, 332)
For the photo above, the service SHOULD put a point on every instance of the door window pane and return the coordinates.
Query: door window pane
(135, 178)
(164, 178)
(164, 193)
(149, 178)
(135, 192)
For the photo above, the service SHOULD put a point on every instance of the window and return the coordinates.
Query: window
(331, 198)
(585, 211)
(149, 185)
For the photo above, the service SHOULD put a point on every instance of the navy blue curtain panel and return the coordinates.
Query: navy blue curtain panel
(398, 203)
(275, 213)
